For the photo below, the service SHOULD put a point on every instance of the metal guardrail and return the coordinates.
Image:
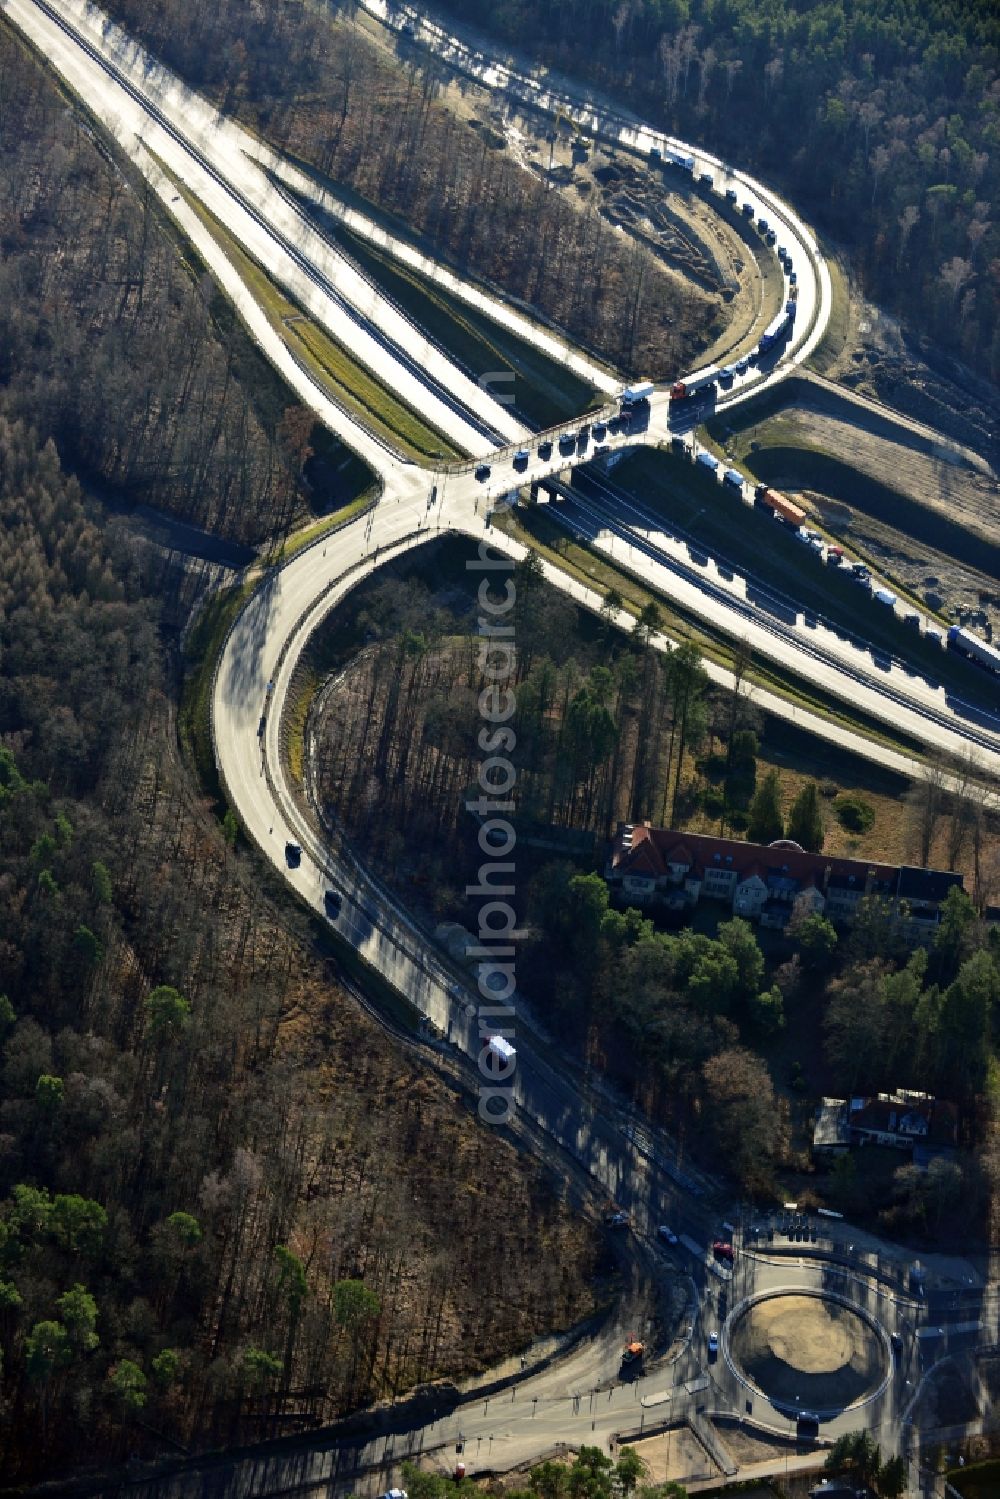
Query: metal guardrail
(378, 291)
(535, 440)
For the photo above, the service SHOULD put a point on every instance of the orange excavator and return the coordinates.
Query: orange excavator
(632, 1353)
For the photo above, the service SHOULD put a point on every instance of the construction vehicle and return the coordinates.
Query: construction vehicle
(633, 1354)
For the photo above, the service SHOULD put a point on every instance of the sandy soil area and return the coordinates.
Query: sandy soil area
(931, 517)
(670, 220)
(800, 1347)
(675, 1454)
(748, 1448)
(873, 354)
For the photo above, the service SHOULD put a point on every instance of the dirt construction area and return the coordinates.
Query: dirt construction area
(675, 1455)
(924, 515)
(804, 1348)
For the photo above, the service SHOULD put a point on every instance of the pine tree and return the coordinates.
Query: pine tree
(765, 811)
(805, 821)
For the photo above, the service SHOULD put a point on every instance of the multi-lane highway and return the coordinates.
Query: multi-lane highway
(164, 125)
(179, 142)
(541, 91)
(147, 104)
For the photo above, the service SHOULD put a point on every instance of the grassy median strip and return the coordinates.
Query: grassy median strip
(348, 383)
(447, 317)
(546, 392)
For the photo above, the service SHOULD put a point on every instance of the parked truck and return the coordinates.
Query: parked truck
(779, 506)
(634, 395)
(977, 650)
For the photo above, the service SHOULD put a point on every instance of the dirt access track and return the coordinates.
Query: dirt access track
(899, 492)
(687, 233)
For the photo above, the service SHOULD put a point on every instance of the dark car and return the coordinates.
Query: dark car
(333, 900)
(521, 458)
(723, 1251)
(600, 431)
(482, 472)
(545, 449)
(293, 855)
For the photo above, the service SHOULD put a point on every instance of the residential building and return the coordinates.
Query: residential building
(657, 868)
(918, 1123)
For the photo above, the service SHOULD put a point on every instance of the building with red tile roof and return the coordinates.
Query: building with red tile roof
(658, 868)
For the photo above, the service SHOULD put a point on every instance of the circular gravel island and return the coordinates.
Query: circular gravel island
(814, 1351)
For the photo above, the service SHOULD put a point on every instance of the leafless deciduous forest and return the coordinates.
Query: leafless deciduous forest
(700, 1016)
(106, 343)
(226, 1197)
(319, 88)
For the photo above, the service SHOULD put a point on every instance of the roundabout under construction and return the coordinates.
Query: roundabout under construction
(808, 1350)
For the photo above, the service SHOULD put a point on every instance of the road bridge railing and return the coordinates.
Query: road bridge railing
(533, 440)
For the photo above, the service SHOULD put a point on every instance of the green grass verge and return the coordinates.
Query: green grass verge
(316, 529)
(348, 382)
(672, 487)
(294, 724)
(838, 329)
(591, 568)
(352, 386)
(205, 642)
(194, 718)
(546, 392)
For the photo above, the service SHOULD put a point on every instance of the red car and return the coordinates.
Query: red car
(723, 1251)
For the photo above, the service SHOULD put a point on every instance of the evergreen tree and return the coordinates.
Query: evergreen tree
(766, 822)
(816, 938)
(805, 820)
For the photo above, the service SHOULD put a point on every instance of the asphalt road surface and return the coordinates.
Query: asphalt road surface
(164, 126)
